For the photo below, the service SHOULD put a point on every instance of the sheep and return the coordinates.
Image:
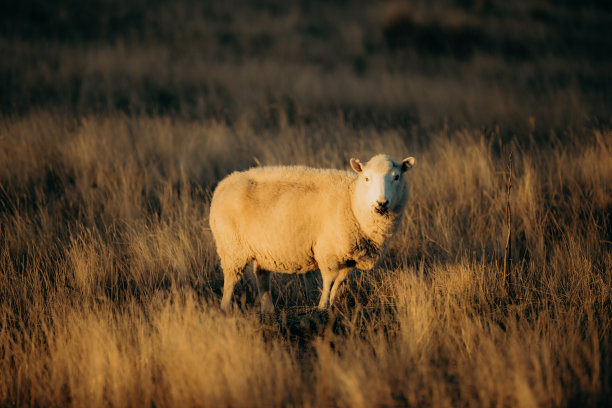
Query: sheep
(294, 219)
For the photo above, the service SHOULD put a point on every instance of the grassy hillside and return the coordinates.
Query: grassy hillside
(118, 120)
(475, 63)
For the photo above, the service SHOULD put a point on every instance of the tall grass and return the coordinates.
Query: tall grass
(109, 282)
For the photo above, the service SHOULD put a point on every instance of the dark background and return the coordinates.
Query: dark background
(518, 65)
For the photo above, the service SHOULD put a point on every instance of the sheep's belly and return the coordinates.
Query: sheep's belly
(273, 263)
(285, 261)
(280, 241)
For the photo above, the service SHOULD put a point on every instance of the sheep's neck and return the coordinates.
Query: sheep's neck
(375, 227)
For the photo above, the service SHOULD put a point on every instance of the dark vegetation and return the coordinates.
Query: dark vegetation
(397, 64)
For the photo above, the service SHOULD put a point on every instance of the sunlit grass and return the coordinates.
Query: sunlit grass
(110, 284)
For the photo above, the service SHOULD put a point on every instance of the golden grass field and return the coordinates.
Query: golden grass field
(111, 145)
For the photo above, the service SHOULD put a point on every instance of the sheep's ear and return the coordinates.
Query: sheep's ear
(407, 164)
(356, 165)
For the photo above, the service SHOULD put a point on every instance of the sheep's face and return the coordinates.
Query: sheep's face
(381, 187)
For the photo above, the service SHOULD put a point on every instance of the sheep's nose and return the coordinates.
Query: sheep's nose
(382, 203)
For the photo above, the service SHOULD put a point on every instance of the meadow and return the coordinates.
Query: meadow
(119, 118)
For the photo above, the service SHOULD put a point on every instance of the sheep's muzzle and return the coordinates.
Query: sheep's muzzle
(381, 209)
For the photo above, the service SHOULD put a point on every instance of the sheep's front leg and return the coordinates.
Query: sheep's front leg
(328, 275)
(331, 276)
(341, 276)
(327, 281)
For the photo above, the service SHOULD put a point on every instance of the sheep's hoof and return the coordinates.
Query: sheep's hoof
(226, 306)
(267, 309)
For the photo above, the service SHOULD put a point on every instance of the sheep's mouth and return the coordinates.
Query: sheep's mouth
(381, 210)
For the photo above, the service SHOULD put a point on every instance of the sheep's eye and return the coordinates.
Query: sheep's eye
(367, 179)
(396, 177)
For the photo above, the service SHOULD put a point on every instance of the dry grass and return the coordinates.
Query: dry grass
(110, 286)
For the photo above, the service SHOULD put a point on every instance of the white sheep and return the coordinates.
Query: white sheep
(297, 219)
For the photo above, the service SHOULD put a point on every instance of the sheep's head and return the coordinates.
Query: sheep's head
(381, 188)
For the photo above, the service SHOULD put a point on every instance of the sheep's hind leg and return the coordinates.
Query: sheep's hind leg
(262, 277)
(230, 277)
